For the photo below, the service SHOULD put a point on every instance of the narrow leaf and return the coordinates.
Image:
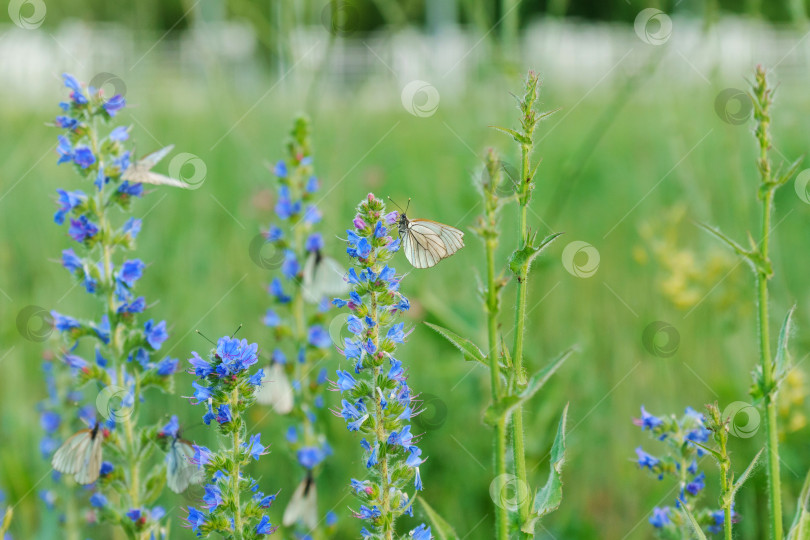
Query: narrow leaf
(442, 529)
(693, 522)
(715, 453)
(782, 179)
(549, 497)
(725, 239)
(508, 403)
(782, 360)
(746, 473)
(519, 137)
(800, 529)
(469, 349)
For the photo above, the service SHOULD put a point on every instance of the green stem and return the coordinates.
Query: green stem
(237, 463)
(725, 487)
(502, 514)
(771, 425)
(518, 446)
(387, 521)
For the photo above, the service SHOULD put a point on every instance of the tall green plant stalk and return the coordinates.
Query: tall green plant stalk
(524, 189)
(763, 98)
(770, 371)
(487, 229)
(510, 387)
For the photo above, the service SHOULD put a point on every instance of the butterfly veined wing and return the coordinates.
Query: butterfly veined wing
(322, 277)
(80, 455)
(180, 471)
(427, 242)
(150, 160)
(276, 389)
(141, 170)
(303, 506)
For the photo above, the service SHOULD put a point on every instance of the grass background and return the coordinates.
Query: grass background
(665, 151)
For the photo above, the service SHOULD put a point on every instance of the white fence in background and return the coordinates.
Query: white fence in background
(570, 53)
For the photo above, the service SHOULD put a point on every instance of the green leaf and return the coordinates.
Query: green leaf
(469, 349)
(507, 404)
(715, 453)
(523, 258)
(690, 517)
(782, 360)
(738, 249)
(519, 137)
(154, 484)
(549, 497)
(753, 257)
(440, 527)
(800, 529)
(783, 178)
(744, 476)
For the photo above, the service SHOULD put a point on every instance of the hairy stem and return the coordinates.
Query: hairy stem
(387, 516)
(518, 446)
(502, 515)
(237, 465)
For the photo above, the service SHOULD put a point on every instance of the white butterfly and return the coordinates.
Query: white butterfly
(180, 471)
(276, 389)
(323, 277)
(140, 171)
(426, 242)
(303, 506)
(80, 455)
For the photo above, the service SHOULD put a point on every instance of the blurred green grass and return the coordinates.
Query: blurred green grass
(202, 275)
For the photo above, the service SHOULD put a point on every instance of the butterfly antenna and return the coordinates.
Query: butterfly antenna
(407, 205)
(205, 338)
(237, 330)
(395, 204)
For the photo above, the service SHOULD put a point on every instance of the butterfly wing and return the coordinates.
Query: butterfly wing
(150, 160)
(427, 242)
(322, 277)
(141, 170)
(276, 390)
(149, 177)
(80, 455)
(303, 506)
(180, 471)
